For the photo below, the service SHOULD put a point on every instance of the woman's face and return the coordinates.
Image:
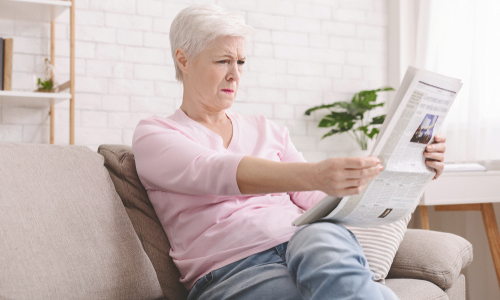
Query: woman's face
(213, 76)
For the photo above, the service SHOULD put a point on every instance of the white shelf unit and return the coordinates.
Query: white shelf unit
(33, 10)
(31, 99)
(43, 11)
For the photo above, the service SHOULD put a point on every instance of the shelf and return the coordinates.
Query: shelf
(463, 188)
(32, 10)
(31, 99)
(44, 11)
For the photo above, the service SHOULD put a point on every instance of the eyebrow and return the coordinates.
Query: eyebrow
(230, 56)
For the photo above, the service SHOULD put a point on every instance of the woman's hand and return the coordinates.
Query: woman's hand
(434, 154)
(346, 176)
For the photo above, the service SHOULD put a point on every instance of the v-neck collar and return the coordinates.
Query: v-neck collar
(183, 116)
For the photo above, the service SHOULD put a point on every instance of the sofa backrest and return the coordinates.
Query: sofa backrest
(64, 233)
(120, 162)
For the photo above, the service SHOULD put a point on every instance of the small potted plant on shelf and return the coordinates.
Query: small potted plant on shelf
(352, 117)
(45, 83)
(46, 86)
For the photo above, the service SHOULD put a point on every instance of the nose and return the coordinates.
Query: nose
(234, 72)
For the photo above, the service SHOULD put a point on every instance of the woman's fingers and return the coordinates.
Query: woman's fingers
(434, 154)
(356, 163)
(439, 138)
(349, 191)
(436, 147)
(349, 176)
(363, 173)
(437, 166)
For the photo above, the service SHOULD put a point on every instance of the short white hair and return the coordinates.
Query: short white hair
(196, 26)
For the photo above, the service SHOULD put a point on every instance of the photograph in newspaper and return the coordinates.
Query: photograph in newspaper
(418, 111)
(423, 134)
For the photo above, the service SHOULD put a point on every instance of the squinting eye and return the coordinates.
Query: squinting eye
(222, 61)
(241, 62)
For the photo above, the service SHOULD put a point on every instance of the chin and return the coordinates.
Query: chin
(225, 102)
(228, 104)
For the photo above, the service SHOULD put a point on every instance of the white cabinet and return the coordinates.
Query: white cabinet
(43, 11)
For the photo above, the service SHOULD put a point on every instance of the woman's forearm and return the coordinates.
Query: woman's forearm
(262, 176)
(334, 176)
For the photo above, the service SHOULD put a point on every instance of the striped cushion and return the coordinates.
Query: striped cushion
(380, 245)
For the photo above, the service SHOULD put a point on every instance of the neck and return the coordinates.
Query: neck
(216, 121)
(199, 109)
(204, 115)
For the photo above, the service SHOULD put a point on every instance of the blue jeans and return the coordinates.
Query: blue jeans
(321, 261)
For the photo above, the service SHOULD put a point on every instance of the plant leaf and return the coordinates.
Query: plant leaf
(385, 89)
(363, 129)
(325, 106)
(378, 120)
(373, 133)
(327, 122)
(329, 133)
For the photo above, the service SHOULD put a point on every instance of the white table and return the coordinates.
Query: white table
(465, 191)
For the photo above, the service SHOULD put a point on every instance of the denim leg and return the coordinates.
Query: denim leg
(261, 276)
(325, 261)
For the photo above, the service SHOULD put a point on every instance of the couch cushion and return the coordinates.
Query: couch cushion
(64, 232)
(435, 256)
(457, 290)
(120, 162)
(414, 289)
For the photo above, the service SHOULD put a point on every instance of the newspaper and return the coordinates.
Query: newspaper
(415, 116)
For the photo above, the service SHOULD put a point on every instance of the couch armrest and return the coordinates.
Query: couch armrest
(434, 256)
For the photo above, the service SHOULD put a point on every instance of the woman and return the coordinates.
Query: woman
(226, 187)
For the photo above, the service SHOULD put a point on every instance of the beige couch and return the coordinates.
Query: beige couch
(78, 225)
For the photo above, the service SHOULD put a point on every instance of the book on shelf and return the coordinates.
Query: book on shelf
(8, 54)
(1, 63)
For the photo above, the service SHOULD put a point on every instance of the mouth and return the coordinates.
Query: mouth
(228, 91)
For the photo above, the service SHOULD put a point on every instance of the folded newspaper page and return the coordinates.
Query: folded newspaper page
(415, 116)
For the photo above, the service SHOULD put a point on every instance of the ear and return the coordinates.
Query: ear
(181, 59)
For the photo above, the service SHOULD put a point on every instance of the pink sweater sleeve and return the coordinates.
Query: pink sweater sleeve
(168, 159)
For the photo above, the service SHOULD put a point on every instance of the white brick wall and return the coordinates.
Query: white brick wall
(303, 53)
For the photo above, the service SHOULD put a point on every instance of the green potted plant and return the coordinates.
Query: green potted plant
(353, 117)
(45, 83)
(45, 86)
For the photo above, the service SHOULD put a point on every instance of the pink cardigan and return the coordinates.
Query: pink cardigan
(191, 182)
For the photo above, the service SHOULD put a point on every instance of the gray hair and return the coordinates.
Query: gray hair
(196, 26)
